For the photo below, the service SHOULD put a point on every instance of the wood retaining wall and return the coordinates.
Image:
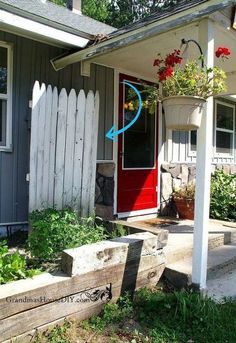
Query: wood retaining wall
(95, 274)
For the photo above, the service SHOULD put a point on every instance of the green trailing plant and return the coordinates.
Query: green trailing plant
(53, 231)
(223, 196)
(13, 266)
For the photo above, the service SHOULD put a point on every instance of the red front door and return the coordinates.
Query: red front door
(137, 153)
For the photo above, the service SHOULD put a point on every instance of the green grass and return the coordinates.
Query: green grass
(156, 317)
(175, 317)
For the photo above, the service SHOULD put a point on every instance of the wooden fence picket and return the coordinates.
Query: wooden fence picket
(78, 152)
(46, 155)
(87, 163)
(34, 147)
(69, 150)
(52, 148)
(60, 150)
(94, 139)
(41, 134)
(63, 149)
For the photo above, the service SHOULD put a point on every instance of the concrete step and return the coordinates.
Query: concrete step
(180, 246)
(222, 287)
(221, 260)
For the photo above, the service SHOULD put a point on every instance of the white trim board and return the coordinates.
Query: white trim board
(137, 213)
(20, 25)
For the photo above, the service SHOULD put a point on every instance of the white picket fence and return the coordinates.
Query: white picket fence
(63, 149)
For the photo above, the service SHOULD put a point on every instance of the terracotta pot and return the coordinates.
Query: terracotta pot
(185, 208)
(183, 113)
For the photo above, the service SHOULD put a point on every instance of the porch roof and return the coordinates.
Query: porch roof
(133, 51)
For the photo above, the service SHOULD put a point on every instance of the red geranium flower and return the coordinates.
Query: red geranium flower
(157, 62)
(173, 58)
(169, 71)
(164, 73)
(222, 51)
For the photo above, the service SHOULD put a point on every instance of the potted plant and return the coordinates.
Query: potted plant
(185, 88)
(183, 198)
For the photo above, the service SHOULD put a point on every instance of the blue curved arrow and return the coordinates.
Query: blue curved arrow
(112, 133)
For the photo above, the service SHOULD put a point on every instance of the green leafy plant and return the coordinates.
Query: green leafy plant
(112, 313)
(13, 266)
(223, 196)
(59, 334)
(53, 231)
(118, 231)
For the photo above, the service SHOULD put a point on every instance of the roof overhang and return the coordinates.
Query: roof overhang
(144, 33)
(34, 30)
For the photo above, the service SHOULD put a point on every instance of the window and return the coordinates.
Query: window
(5, 96)
(224, 131)
(192, 142)
(224, 128)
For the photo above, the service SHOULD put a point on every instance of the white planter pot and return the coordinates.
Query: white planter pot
(183, 113)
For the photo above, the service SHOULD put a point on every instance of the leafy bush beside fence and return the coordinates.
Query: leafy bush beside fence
(13, 266)
(54, 231)
(223, 196)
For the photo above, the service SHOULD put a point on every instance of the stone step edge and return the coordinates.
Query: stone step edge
(178, 254)
(182, 279)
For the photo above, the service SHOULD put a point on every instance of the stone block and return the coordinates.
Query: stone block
(219, 167)
(108, 192)
(213, 168)
(176, 184)
(98, 195)
(105, 212)
(106, 169)
(166, 186)
(226, 169)
(233, 169)
(173, 169)
(184, 174)
(109, 253)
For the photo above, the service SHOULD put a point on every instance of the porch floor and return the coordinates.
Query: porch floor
(178, 250)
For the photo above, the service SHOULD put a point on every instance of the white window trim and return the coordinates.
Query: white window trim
(8, 96)
(224, 155)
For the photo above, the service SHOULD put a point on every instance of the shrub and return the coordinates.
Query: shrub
(223, 196)
(54, 231)
(13, 266)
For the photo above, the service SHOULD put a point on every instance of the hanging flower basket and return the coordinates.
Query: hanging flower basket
(182, 112)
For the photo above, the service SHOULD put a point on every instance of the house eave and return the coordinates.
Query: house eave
(150, 30)
(31, 29)
(45, 21)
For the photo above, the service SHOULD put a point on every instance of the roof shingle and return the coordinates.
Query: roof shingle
(56, 16)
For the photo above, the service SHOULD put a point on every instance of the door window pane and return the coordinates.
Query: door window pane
(225, 115)
(224, 142)
(3, 70)
(139, 139)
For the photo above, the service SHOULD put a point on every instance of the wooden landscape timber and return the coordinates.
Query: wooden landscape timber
(27, 305)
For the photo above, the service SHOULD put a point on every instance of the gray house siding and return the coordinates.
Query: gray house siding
(31, 61)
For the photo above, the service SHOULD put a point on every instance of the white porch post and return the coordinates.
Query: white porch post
(203, 173)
